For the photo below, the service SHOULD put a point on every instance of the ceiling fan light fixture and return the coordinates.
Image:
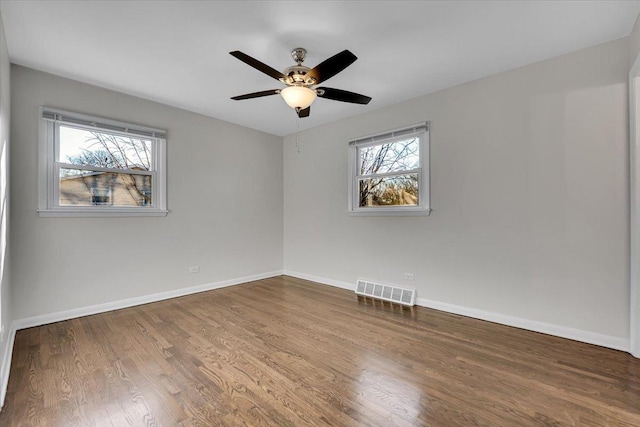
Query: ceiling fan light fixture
(298, 96)
(301, 81)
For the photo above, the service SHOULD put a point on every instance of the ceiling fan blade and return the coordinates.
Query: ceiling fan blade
(332, 66)
(304, 113)
(257, 94)
(342, 95)
(257, 65)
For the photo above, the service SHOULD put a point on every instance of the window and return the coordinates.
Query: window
(97, 167)
(390, 173)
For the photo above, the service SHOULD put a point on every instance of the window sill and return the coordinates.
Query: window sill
(390, 212)
(100, 212)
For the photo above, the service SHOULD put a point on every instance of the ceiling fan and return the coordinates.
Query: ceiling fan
(301, 81)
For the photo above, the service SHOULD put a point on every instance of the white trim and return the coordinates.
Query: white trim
(131, 302)
(86, 121)
(7, 352)
(393, 212)
(381, 137)
(63, 165)
(608, 341)
(390, 174)
(321, 280)
(100, 212)
(634, 205)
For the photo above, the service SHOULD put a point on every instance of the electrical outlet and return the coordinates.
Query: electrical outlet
(195, 269)
(409, 276)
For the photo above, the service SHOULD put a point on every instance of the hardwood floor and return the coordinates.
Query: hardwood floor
(287, 352)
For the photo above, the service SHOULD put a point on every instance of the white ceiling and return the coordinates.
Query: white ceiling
(176, 52)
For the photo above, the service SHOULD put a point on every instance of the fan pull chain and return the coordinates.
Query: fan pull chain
(298, 134)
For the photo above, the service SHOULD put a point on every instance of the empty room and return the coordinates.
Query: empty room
(330, 213)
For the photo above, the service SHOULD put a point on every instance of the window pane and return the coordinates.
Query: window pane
(392, 157)
(389, 191)
(87, 188)
(94, 148)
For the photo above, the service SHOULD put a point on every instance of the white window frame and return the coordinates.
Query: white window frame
(49, 168)
(421, 131)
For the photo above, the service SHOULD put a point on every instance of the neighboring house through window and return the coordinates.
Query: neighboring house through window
(390, 173)
(91, 166)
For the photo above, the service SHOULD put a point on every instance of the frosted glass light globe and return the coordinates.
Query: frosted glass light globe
(298, 96)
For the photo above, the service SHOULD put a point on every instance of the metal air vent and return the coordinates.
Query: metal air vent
(386, 292)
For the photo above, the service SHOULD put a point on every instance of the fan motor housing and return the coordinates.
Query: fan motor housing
(297, 74)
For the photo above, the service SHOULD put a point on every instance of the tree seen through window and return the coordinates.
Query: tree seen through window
(91, 151)
(388, 173)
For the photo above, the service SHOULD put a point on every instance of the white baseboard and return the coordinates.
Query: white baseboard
(602, 340)
(323, 280)
(608, 341)
(131, 302)
(7, 352)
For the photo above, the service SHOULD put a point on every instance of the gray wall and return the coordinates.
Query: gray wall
(5, 290)
(225, 202)
(529, 184)
(634, 41)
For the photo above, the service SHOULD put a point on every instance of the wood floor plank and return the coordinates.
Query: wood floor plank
(289, 352)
